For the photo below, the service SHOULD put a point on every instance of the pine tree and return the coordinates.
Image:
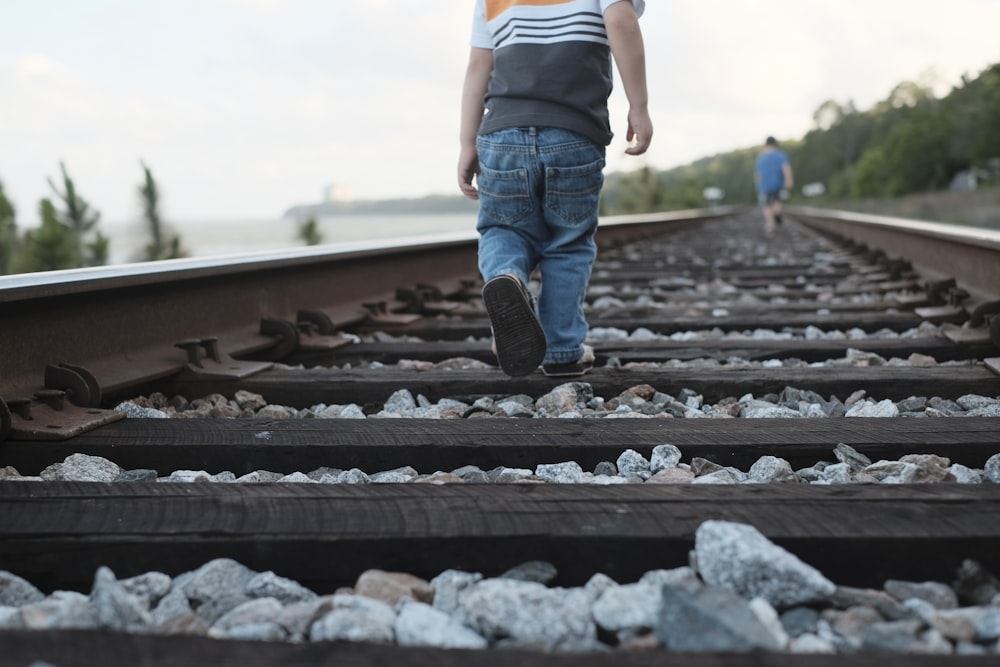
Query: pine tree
(52, 246)
(8, 234)
(162, 246)
(309, 232)
(82, 221)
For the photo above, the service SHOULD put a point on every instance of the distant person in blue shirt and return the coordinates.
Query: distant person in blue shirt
(773, 177)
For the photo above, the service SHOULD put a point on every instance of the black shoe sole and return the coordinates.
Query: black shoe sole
(518, 335)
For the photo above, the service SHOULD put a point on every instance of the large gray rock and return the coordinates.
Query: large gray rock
(772, 470)
(114, 607)
(255, 620)
(710, 619)
(568, 472)
(355, 618)
(419, 624)
(528, 614)
(630, 606)
(216, 587)
(171, 606)
(16, 591)
(63, 610)
(82, 468)
(449, 585)
(992, 469)
(270, 585)
(149, 587)
(664, 457)
(738, 557)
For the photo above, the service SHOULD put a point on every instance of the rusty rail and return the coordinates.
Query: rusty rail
(69, 337)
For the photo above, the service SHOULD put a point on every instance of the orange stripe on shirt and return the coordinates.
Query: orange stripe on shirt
(495, 8)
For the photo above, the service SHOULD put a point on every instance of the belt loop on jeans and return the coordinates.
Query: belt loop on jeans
(533, 131)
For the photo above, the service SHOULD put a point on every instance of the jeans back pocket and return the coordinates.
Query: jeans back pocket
(504, 195)
(574, 193)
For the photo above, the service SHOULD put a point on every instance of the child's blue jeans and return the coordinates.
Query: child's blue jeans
(539, 191)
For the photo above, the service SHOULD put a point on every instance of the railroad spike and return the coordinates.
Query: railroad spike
(193, 348)
(211, 347)
(54, 398)
(379, 315)
(323, 323)
(983, 313)
(285, 333)
(79, 384)
(215, 364)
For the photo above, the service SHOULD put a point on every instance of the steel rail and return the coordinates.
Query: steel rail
(109, 328)
(88, 332)
(970, 255)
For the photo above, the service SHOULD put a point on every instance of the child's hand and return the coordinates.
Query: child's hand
(640, 132)
(468, 167)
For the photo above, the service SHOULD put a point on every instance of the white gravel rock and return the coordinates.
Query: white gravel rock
(965, 475)
(568, 472)
(764, 410)
(737, 556)
(663, 457)
(16, 591)
(116, 608)
(10, 618)
(629, 606)
(419, 624)
(530, 615)
(992, 469)
(133, 411)
(355, 618)
(254, 619)
(284, 590)
(63, 610)
(296, 478)
(188, 476)
(632, 462)
(82, 468)
(868, 408)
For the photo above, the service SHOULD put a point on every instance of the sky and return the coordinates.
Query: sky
(243, 108)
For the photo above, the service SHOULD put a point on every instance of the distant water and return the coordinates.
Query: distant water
(226, 237)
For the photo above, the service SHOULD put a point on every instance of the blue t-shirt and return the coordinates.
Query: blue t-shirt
(769, 167)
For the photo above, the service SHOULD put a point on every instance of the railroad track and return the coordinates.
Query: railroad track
(691, 315)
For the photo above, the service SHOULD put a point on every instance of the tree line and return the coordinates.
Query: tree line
(910, 142)
(69, 235)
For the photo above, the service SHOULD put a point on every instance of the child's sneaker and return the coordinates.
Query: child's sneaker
(517, 334)
(573, 368)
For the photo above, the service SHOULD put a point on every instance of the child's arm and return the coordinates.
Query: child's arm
(629, 52)
(477, 78)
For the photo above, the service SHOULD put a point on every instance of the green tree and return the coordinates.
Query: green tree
(77, 215)
(8, 234)
(51, 247)
(163, 245)
(909, 142)
(309, 231)
(973, 115)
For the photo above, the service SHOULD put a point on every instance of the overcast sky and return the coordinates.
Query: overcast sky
(242, 108)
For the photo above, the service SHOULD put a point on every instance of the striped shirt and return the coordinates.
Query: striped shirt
(551, 64)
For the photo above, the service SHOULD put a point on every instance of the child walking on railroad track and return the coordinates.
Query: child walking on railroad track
(534, 131)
